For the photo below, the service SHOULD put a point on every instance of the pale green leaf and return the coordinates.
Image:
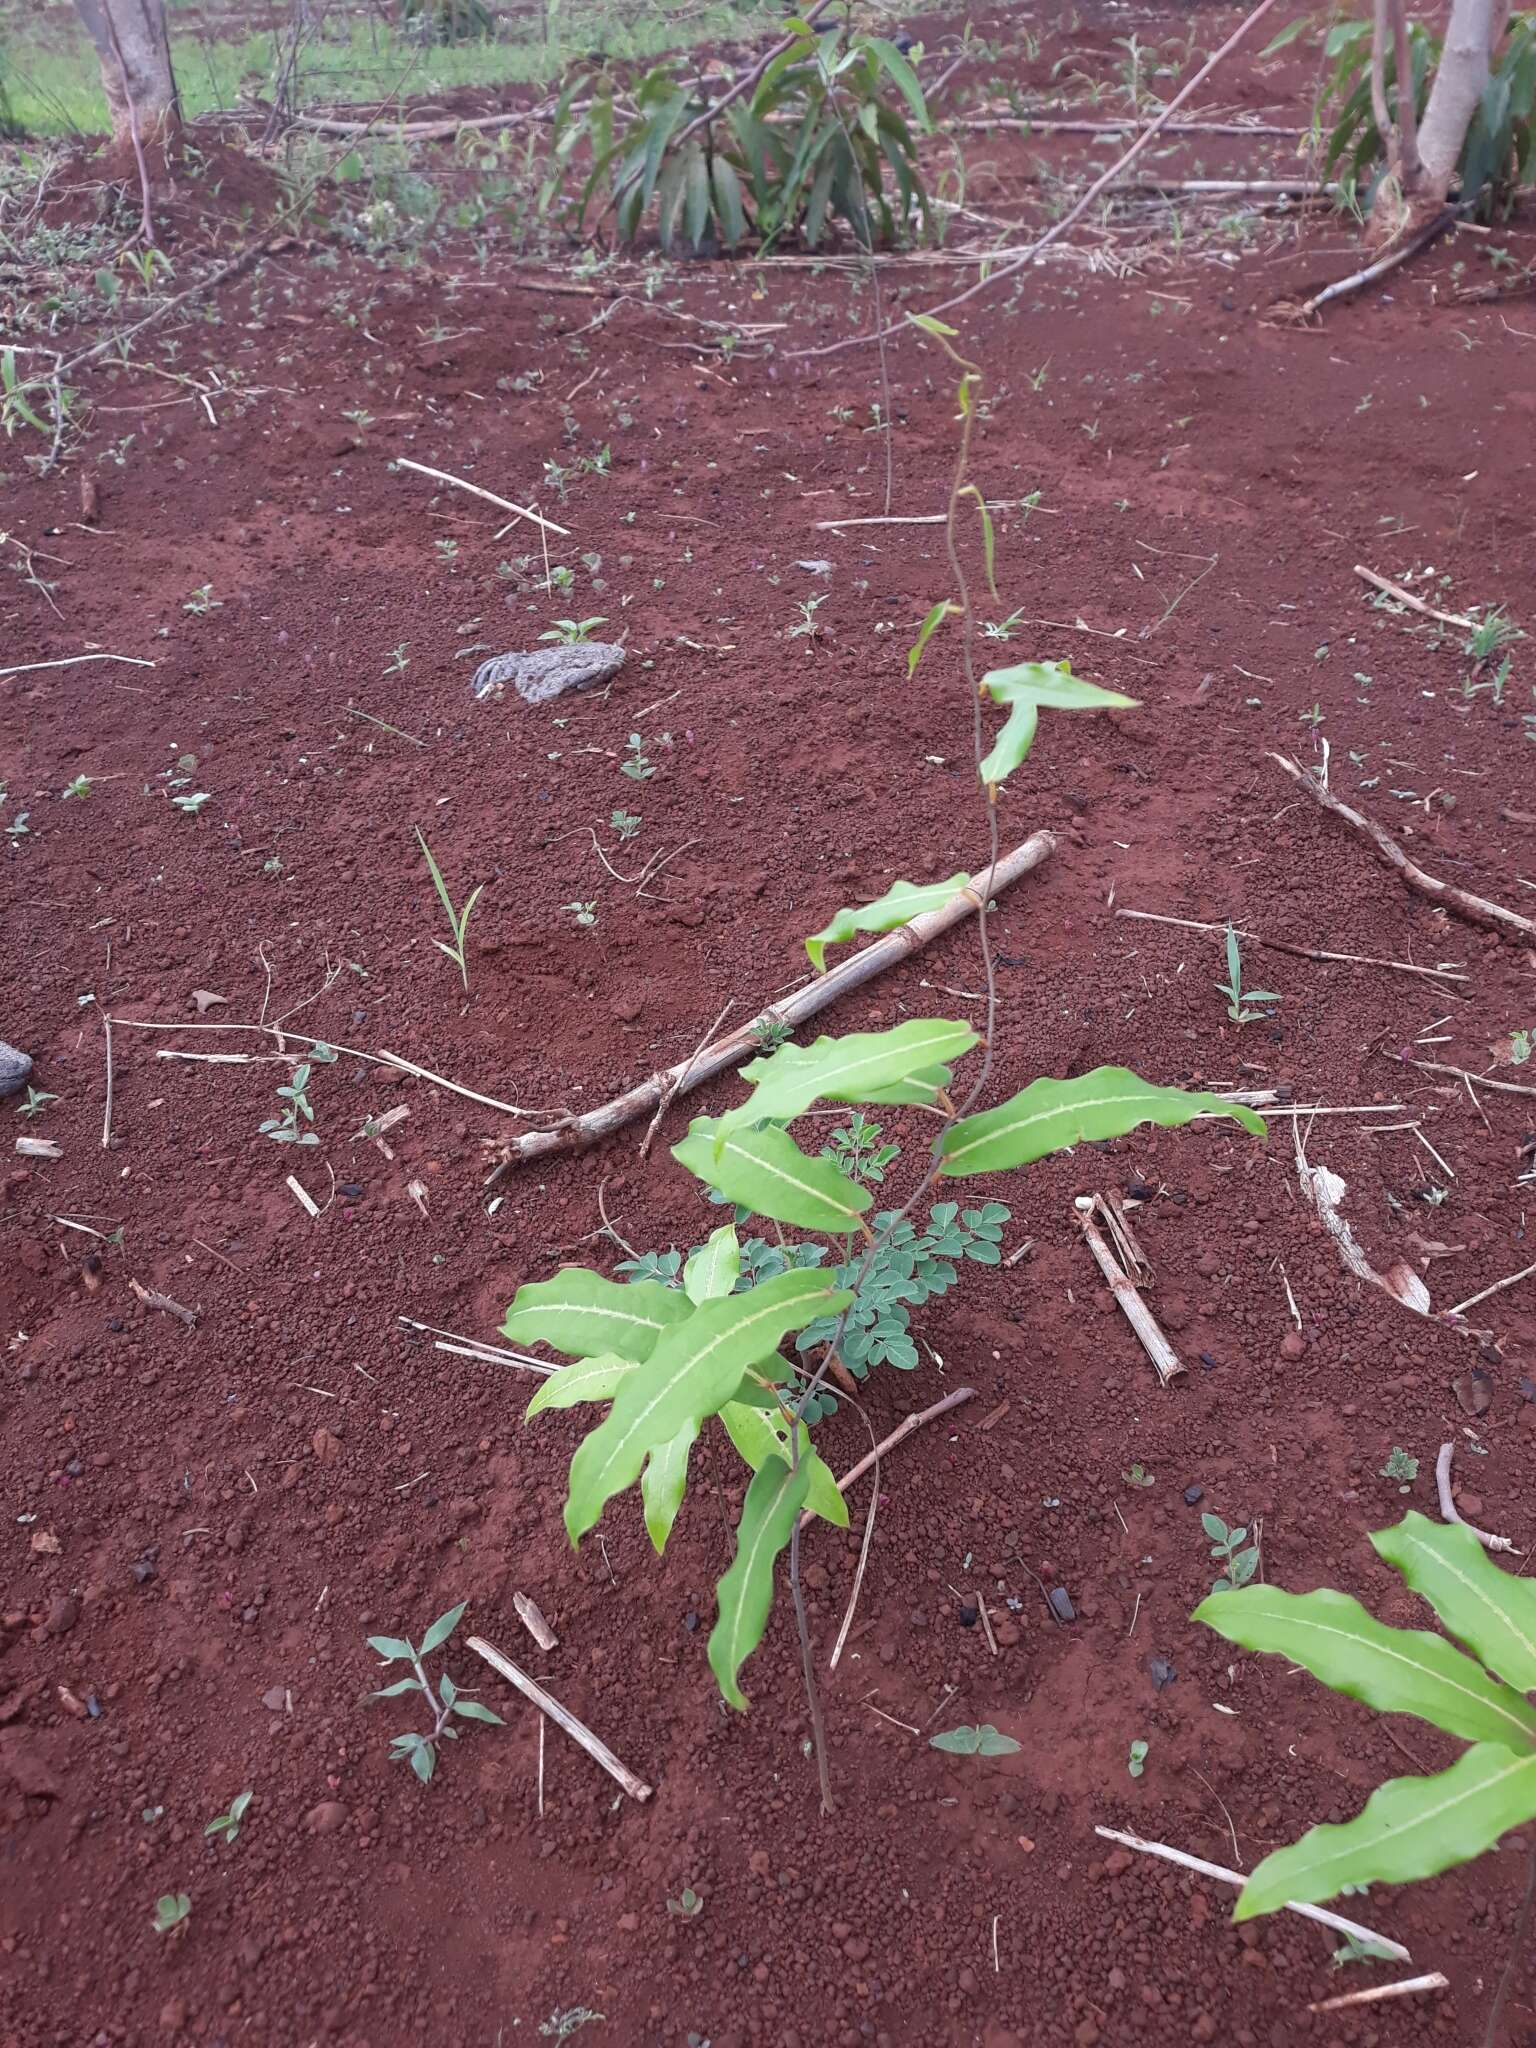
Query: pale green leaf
(926, 631)
(1410, 1828)
(581, 1313)
(758, 1435)
(1394, 1670)
(745, 1593)
(1048, 1116)
(587, 1379)
(843, 1069)
(937, 328)
(899, 905)
(441, 1629)
(1287, 35)
(988, 538)
(1492, 1611)
(1012, 745)
(391, 1648)
(1051, 685)
(663, 1481)
(714, 1268)
(767, 1172)
(694, 1370)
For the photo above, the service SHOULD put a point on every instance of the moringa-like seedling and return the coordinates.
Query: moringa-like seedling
(288, 1129)
(446, 1701)
(37, 1100)
(637, 767)
(458, 919)
(1238, 998)
(1227, 1547)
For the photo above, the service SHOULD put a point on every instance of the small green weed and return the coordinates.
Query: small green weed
(171, 1911)
(625, 824)
(227, 1825)
(570, 631)
(1136, 1763)
(81, 786)
(687, 1906)
(458, 920)
(421, 1750)
(638, 768)
(203, 600)
(288, 1129)
(37, 1100)
(982, 1741)
(584, 913)
(1238, 998)
(1239, 1564)
(1400, 1466)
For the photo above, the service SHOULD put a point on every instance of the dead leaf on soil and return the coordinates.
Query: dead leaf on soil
(1474, 1392)
(45, 1541)
(206, 1000)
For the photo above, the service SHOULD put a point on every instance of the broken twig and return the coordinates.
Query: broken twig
(1373, 1993)
(152, 1298)
(577, 1730)
(528, 1614)
(1165, 1360)
(1448, 1506)
(899, 1434)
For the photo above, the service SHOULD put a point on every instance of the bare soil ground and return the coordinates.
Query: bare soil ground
(203, 1524)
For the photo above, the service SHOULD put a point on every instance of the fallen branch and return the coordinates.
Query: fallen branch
(1165, 1361)
(528, 1614)
(576, 1133)
(1320, 1914)
(1444, 972)
(73, 661)
(1498, 1287)
(577, 1730)
(1448, 1506)
(1417, 604)
(1372, 1993)
(1461, 1073)
(490, 497)
(1112, 126)
(152, 1298)
(1360, 280)
(898, 1435)
(1476, 909)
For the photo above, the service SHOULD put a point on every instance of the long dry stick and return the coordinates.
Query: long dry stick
(577, 1730)
(1165, 1360)
(1216, 1870)
(1498, 1287)
(106, 1120)
(1476, 909)
(1448, 1506)
(575, 1134)
(1417, 604)
(73, 661)
(1441, 973)
(1435, 1980)
(490, 497)
(1112, 125)
(898, 1435)
(1075, 212)
(682, 1080)
(1358, 280)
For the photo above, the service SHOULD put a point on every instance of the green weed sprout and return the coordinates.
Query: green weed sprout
(458, 920)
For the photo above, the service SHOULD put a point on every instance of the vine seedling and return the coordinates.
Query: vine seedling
(1238, 998)
(1227, 1548)
(982, 1741)
(227, 1825)
(458, 920)
(445, 1702)
(171, 1910)
(1410, 1828)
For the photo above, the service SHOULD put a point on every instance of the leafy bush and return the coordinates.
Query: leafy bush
(1499, 153)
(820, 139)
(669, 1359)
(1410, 1827)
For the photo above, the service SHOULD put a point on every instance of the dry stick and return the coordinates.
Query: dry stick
(106, 1120)
(1461, 1073)
(1448, 1506)
(1075, 212)
(576, 1133)
(858, 1576)
(1113, 126)
(528, 1614)
(1498, 1287)
(928, 518)
(72, 660)
(1477, 909)
(898, 1435)
(1358, 280)
(577, 1730)
(1165, 1361)
(1441, 973)
(152, 1298)
(1404, 1988)
(1320, 1914)
(471, 1347)
(490, 497)
(1416, 604)
(681, 1082)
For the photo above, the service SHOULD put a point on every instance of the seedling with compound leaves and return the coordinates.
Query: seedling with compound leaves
(1228, 1549)
(420, 1751)
(458, 920)
(769, 1033)
(1238, 998)
(1400, 1465)
(626, 824)
(637, 767)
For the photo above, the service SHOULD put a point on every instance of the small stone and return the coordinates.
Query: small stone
(1061, 1604)
(969, 1616)
(325, 1818)
(1293, 1345)
(628, 1922)
(15, 1069)
(62, 1615)
(275, 1698)
(856, 1949)
(1193, 1495)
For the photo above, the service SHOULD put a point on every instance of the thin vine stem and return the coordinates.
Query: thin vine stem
(970, 381)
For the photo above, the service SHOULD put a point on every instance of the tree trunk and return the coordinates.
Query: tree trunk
(136, 74)
(1474, 32)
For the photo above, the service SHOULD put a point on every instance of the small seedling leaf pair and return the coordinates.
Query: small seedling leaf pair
(982, 1741)
(227, 1825)
(1227, 1548)
(170, 1910)
(1410, 1827)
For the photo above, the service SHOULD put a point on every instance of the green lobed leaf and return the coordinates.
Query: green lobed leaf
(582, 1314)
(1048, 1116)
(1011, 747)
(663, 1482)
(588, 1379)
(1410, 1828)
(758, 1434)
(899, 905)
(767, 1172)
(745, 1593)
(1394, 1670)
(693, 1371)
(1493, 1612)
(1051, 685)
(843, 1069)
(714, 1268)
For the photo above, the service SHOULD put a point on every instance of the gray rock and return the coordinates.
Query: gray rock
(548, 673)
(15, 1070)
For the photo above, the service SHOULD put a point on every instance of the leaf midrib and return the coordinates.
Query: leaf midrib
(1380, 1649)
